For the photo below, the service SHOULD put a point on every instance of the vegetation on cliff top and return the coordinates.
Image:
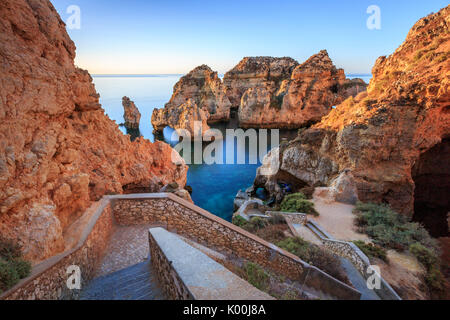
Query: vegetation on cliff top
(12, 265)
(298, 202)
(389, 229)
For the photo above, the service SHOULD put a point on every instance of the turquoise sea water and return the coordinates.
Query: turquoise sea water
(214, 186)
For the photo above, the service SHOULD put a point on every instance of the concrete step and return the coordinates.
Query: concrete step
(133, 283)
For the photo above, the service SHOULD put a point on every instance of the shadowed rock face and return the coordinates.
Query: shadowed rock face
(198, 96)
(58, 150)
(381, 134)
(295, 98)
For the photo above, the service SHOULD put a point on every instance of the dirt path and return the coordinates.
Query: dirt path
(336, 219)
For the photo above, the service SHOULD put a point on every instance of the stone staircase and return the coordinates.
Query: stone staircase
(133, 283)
(353, 274)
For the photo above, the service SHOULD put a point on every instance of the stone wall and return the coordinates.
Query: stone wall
(294, 218)
(48, 280)
(184, 218)
(350, 251)
(169, 280)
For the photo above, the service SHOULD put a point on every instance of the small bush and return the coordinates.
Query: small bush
(12, 266)
(239, 221)
(314, 255)
(371, 250)
(297, 202)
(22, 267)
(390, 229)
(257, 223)
(9, 250)
(8, 276)
(257, 276)
(425, 256)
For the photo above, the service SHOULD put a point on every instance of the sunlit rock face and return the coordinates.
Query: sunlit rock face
(294, 96)
(254, 73)
(58, 150)
(380, 135)
(198, 96)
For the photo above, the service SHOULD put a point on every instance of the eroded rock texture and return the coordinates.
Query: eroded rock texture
(131, 114)
(58, 150)
(295, 97)
(256, 72)
(380, 135)
(198, 96)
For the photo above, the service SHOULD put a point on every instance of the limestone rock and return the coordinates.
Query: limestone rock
(344, 189)
(131, 115)
(198, 96)
(58, 149)
(380, 135)
(300, 97)
(256, 72)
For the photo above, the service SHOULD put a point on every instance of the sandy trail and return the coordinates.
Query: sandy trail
(337, 219)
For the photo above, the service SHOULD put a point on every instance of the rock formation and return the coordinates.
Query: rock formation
(58, 150)
(198, 96)
(297, 97)
(256, 72)
(381, 135)
(131, 115)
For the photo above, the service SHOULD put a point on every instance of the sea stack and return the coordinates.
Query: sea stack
(131, 114)
(198, 96)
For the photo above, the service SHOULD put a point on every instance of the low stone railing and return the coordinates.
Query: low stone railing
(186, 273)
(291, 217)
(351, 252)
(48, 279)
(184, 218)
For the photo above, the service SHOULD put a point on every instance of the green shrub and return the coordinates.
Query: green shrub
(8, 275)
(430, 260)
(390, 229)
(12, 266)
(371, 250)
(239, 221)
(425, 256)
(257, 223)
(9, 249)
(297, 202)
(22, 267)
(314, 255)
(257, 276)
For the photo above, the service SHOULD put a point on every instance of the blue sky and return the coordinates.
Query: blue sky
(147, 36)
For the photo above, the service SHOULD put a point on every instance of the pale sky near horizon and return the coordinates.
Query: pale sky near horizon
(163, 37)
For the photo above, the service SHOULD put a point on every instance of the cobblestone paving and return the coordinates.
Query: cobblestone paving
(133, 283)
(125, 272)
(128, 246)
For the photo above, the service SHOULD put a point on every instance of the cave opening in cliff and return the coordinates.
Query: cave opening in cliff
(431, 174)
